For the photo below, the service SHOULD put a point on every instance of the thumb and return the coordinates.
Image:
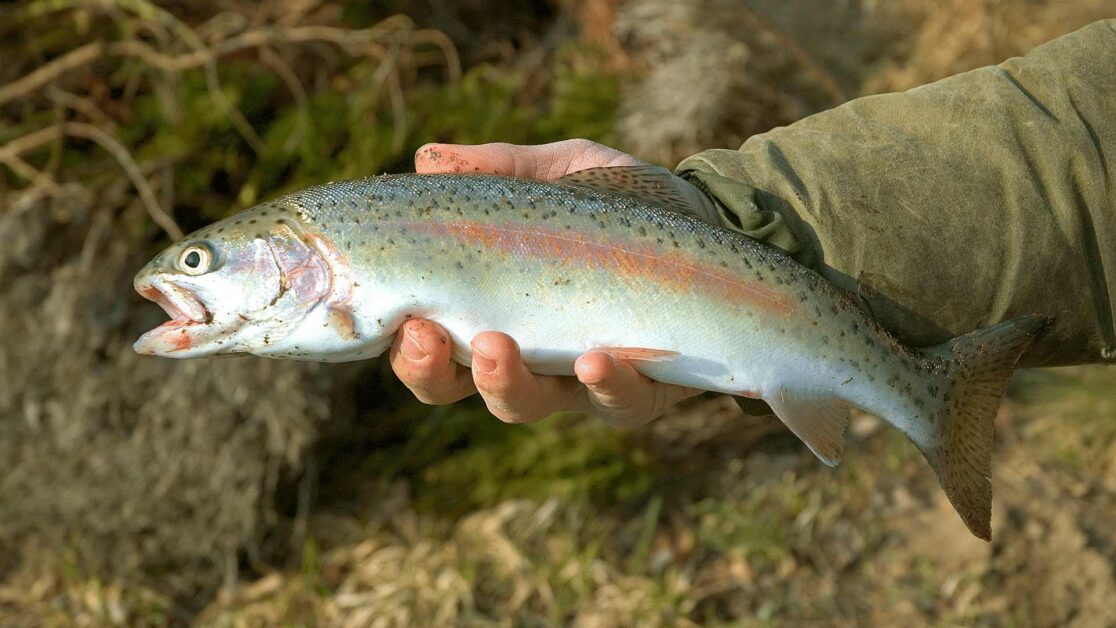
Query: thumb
(542, 161)
(459, 158)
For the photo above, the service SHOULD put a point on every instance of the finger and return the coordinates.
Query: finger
(542, 161)
(620, 395)
(514, 394)
(457, 159)
(420, 357)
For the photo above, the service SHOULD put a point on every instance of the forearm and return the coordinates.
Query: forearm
(976, 199)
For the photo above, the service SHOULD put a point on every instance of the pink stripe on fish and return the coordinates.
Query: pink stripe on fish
(624, 258)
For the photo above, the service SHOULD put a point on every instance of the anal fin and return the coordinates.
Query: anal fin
(820, 422)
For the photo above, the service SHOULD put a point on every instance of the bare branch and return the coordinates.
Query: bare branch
(365, 42)
(449, 51)
(80, 104)
(32, 174)
(117, 150)
(31, 141)
(302, 101)
(37, 78)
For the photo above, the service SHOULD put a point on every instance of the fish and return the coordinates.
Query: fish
(603, 259)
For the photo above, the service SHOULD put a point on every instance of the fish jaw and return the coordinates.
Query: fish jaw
(191, 330)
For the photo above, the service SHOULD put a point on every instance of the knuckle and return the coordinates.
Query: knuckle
(427, 391)
(434, 398)
(515, 416)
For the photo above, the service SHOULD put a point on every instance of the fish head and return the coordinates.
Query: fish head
(236, 286)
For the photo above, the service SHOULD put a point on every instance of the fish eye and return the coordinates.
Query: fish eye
(195, 259)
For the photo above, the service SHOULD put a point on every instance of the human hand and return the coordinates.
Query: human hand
(604, 385)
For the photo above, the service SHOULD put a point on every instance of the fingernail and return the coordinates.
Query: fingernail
(482, 363)
(410, 347)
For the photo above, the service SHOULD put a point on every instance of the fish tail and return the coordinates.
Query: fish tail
(959, 446)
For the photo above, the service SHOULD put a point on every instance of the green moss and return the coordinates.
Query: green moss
(461, 458)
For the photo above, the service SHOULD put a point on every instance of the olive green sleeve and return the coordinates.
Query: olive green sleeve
(955, 205)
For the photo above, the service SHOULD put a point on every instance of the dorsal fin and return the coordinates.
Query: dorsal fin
(652, 184)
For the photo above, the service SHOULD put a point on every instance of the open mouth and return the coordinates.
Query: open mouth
(180, 304)
(185, 310)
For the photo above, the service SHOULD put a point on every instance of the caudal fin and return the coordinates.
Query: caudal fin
(980, 364)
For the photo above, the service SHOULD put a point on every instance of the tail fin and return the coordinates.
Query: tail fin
(980, 364)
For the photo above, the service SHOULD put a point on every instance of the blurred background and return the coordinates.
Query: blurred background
(247, 492)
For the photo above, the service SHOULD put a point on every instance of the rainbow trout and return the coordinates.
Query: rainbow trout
(606, 258)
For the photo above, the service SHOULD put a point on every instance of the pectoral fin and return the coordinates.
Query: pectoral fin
(341, 321)
(639, 354)
(819, 421)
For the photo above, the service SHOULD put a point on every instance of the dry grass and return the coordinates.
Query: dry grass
(960, 35)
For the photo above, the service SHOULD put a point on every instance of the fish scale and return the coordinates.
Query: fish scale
(607, 259)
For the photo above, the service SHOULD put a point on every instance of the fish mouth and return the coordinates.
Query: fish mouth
(185, 311)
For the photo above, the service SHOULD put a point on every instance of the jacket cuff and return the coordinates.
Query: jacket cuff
(746, 209)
